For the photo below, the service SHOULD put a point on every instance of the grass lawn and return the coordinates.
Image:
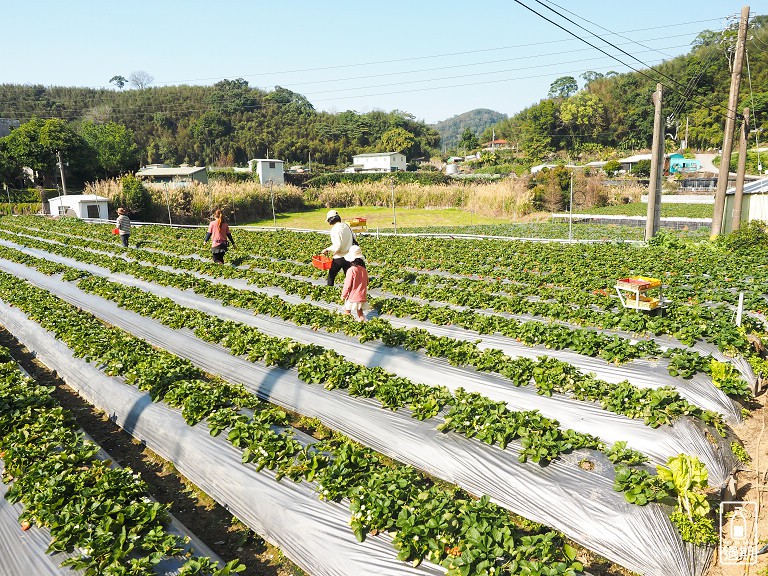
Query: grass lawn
(381, 217)
(667, 210)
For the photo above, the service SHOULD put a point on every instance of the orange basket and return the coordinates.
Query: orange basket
(321, 262)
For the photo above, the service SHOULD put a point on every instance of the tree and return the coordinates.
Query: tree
(231, 96)
(140, 79)
(118, 81)
(290, 100)
(134, 197)
(11, 173)
(563, 87)
(468, 140)
(582, 114)
(397, 140)
(35, 143)
(591, 76)
(114, 146)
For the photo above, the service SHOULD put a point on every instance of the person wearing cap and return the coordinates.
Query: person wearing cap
(342, 238)
(123, 224)
(355, 291)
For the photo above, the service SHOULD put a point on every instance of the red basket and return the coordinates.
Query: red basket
(115, 230)
(321, 262)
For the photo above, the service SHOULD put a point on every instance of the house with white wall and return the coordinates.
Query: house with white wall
(378, 162)
(80, 206)
(268, 169)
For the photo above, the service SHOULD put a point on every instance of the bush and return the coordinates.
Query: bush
(135, 198)
(642, 168)
(612, 167)
(230, 176)
(753, 236)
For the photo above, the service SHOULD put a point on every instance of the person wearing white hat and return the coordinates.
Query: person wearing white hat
(342, 238)
(355, 291)
(123, 225)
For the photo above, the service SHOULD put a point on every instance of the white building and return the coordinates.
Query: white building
(162, 174)
(79, 205)
(268, 169)
(378, 162)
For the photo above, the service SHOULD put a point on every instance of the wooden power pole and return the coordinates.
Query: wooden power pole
(738, 197)
(730, 121)
(60, 162)
(653, 217)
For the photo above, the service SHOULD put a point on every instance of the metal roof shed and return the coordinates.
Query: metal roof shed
(80, 205)
(174, 177)
(754, 204)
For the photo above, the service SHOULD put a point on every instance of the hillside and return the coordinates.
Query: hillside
(614, 113)
(477, 121)
(224, 124)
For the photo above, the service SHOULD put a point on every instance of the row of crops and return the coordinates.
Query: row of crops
(497, 414)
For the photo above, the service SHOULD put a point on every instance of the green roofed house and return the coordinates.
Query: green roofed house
(180, 177)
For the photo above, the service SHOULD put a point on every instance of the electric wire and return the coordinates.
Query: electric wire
(416, 58)
(75, 114)
(619, 34)
(527, 57)
(612, 56)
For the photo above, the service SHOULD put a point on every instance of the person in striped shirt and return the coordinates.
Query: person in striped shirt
(124, 226)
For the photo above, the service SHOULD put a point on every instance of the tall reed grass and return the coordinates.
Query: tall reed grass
(509, 198)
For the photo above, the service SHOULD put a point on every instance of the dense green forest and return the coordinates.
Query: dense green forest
(616, 110)
(225, 124)
(476, 121)
(107, 132)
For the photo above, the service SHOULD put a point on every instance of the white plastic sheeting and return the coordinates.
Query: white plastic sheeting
(581, 504)
(24, 552)
(644, 373)
(686, 436)
(313, 533)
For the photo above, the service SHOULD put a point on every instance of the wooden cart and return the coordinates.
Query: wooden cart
(632, 292)
(358, 224)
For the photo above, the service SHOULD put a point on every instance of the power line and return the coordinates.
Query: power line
(577, 61)
(75, 114)
(619, 34)
(416, 58)
(606, 53)
(474, 64)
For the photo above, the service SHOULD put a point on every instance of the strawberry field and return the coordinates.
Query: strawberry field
(498, 413)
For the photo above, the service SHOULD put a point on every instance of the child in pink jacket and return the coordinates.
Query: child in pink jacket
(355, 291)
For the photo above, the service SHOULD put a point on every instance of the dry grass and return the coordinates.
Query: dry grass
(509, 199)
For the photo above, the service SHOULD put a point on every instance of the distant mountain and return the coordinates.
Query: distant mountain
(476, 120)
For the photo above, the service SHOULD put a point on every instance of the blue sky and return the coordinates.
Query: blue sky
(431, 59)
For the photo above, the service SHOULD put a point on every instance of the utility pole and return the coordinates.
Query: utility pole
(738, 198)
(730, 121)
(61, 171)
(653, 216)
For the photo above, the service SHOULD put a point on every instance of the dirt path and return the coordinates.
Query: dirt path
(750, 488)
